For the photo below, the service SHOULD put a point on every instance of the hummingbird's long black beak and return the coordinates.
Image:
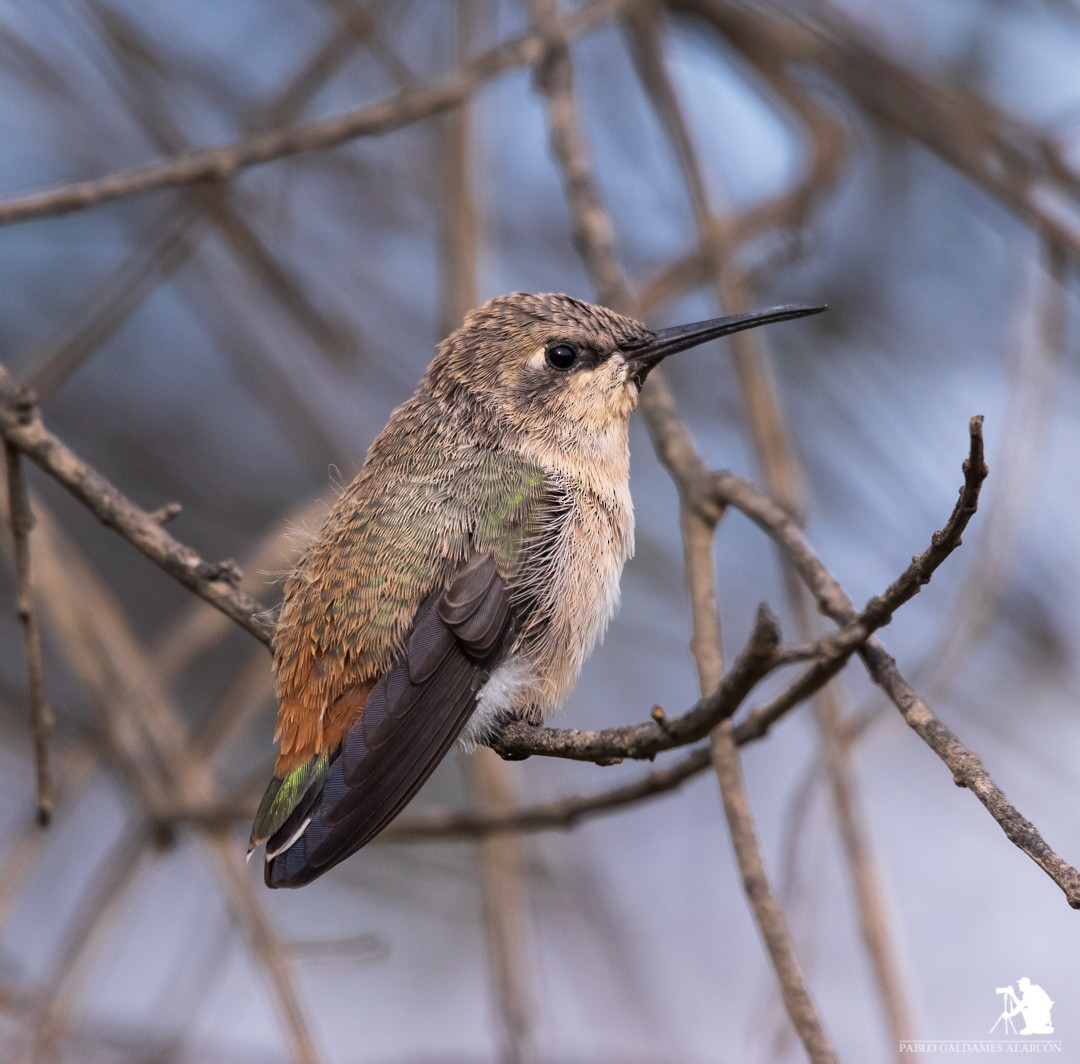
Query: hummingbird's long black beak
(678, 338)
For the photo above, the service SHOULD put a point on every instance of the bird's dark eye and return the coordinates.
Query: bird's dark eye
(562, 356)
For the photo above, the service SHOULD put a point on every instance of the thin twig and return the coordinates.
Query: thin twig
(637, 741)
(41, 717)
(563, 814)
(761, 654)
(770, 919)
(967, 769)
(767, 912)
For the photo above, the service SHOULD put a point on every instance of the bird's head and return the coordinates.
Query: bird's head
(553, 365)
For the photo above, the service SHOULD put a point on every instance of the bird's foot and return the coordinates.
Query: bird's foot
(529, 716)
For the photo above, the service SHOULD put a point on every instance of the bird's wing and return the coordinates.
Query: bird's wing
(417, 511)
(410, 719)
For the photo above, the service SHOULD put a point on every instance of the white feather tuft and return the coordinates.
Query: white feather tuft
(507, 690)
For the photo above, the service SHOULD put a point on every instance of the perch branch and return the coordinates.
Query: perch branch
(762, 653)
(22, 428)
(647, 739)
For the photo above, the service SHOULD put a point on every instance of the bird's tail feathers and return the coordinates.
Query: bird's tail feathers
(286, 805)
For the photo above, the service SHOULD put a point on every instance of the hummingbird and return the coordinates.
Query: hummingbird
(464, 575)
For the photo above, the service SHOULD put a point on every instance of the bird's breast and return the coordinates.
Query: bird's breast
(573, 577)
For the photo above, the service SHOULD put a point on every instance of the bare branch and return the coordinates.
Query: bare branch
(150, 740)
(22, 428)
(565, 813)
(767, 912)
(41, 717)
(636, 741)
(562, 814)
(968, 771)
(969, 132)
(762, 654)
(769, 917)
(171, 775)
(676, 450)
(223, 161)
